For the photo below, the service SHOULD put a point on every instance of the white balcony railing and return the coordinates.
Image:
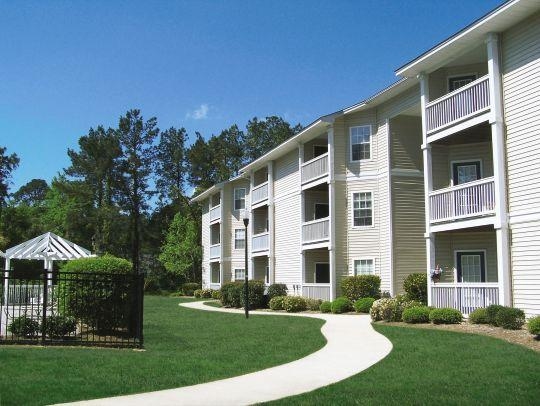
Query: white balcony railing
(316, 291)
(466, 200)
(465, 297)
(260, 242)
(259, 193)
(316, 230)
(315, 168)
(462, 103)
(215, 251)
(215, 213)
(215, 286)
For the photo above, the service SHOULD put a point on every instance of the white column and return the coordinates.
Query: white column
(221, 222)
(302, 215)
(430, 256)
(251, 227)
(332, 212)
(271, 224)
(499, 169)
(6, 280)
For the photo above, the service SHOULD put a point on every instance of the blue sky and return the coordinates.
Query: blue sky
(203, 65)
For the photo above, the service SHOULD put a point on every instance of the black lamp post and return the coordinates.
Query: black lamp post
(246, 295)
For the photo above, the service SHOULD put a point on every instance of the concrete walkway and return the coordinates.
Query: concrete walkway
(352, 346)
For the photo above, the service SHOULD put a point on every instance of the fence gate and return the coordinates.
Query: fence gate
(72, 308)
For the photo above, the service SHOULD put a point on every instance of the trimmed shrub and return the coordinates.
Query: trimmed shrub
(357, 287)
(479, 316)
(491, 313)
(534, 326)
(391, 309)
(276, 303)
(60, 326)
(416, 287)
(189, 288)
(293, 304)
(313, 304)
(341, 305)
(416, 314)
(230, 294)
(216, 294)
(325, 307)
(277, 289)
(446, 315)
(510, 318)
(197, 293)
(206, 293)
(363, 305)
(256, 297)
(24, 326)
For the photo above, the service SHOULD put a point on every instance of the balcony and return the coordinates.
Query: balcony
(260, 242)
(316, 291)
(259, 193)
(470, 199)
(316, 230)
(465, 297)
(215, 251)
(315, 168)
(215, 213)
(461, 104)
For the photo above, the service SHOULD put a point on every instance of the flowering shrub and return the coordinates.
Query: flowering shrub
(276, 303)
(206, 293)
(197, 293)
(216, 294)
(293, 304)
(391, 309)
(313, 304)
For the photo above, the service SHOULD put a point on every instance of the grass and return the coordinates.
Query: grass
(183, 347)
(438, 367)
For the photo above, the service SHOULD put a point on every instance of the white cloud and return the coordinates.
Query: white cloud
(200, 113)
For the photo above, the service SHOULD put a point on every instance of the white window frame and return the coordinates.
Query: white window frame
(461, 75)
(237, 239)
(239, 269)
(353, 268)
(315, 273)
(370, 143)
(462, 161)
(372, 209)
(471, 250)
(234, 198)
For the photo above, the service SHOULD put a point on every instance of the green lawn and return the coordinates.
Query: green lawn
(183, 347)
(438, 368)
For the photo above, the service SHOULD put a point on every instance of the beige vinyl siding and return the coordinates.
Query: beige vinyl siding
(205, 240)
(287, 176)
(408, 100)
(438, 80)
(287, 241)
(406, 142)
(342, 233)
(446, 243)
(360, 119)
(313, 257)
(234, 221)
(341, 140)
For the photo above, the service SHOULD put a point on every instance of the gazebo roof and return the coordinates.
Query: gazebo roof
(48, 246)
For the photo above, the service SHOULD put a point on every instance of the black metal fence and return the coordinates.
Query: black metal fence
(72, 308)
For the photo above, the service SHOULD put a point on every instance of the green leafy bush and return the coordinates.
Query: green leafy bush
(277, 289)
(416, 287)
(276, 303)
(206, 293)
(256, 298)
(60, 326)
(357, 287)
(24, 326)
(313, 304)
(416, 314)
(189, 288)
(491, 313)
(341, 305)
(479, 316)
(230, 294)
(510, 318)
(197, 293)
(391, 309)
(325, 307)
(534, 326)
(445, 315)
(216, 294)
(363, 305)
(293, 304)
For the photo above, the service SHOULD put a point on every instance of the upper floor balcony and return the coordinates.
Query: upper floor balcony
(259, 193)
(316, 230)
(315, 168)
(215, 251)
(260, 242)
(215, 213)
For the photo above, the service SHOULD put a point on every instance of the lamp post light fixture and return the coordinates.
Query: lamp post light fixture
(245, 218)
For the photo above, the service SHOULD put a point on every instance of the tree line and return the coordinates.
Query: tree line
(126, 190)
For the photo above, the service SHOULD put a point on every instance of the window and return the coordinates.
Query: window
(239, 199)
(463, 172)
(459, 81)
(239, 238)
(321, 210)
(362, 209)
(239, 274)
(471, 266)
(214, 273)
(364, 267)
(319, 150)
(360, 143)
(322, 273)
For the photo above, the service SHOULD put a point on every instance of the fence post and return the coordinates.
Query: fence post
(44, 305)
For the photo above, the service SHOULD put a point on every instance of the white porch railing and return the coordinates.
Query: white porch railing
(316, 230)
(315, 168)
(461, 201)
(215, 212)
(260, 242)
(259, 193)
(465, 297)
(462, 103)
(316, 291)
(215, 251)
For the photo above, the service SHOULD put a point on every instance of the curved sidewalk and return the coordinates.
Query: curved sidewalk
(352, 346)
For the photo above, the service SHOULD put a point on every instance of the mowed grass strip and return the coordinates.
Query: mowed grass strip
(438, 368)
(183, 347)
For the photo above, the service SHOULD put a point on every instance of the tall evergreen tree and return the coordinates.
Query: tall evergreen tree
(263, 135)
(8, 163)
(32, 193)
(170, 165)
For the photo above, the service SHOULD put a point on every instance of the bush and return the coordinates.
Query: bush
(391, 309)
(416, 314)
(446, 315)
(277, 289)
(313, 304)
(256, 298)
(325, 307)
(206, 293)
(24, 326)
(276, 303)
(479, 316)
(216, 294)
(341, 305)
(357, 287)
(197, 293)
(416, 287)
(189, 288)
(232, 294)
(60, 326)
(293, 304)
(491, 313)
(510, 318)
(363, 305)
(534, 325)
